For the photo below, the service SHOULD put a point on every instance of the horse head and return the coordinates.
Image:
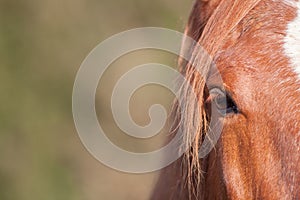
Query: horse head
(255, 46)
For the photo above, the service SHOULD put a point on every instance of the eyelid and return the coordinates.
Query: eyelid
(214, 90)
(217, 91)
(223, 91)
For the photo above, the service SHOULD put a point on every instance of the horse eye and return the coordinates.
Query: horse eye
(222, 102)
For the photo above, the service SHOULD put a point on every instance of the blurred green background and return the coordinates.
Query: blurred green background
(42, 44)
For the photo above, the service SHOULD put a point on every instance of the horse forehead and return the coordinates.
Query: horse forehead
(288, 46)
(292, 42)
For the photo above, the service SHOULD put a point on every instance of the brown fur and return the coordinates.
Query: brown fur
(257, 156)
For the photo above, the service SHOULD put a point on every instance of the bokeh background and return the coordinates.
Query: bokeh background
(42, 44)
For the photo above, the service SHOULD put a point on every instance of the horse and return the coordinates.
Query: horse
(255, 45)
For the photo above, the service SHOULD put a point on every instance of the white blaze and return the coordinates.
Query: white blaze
(292, 41)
